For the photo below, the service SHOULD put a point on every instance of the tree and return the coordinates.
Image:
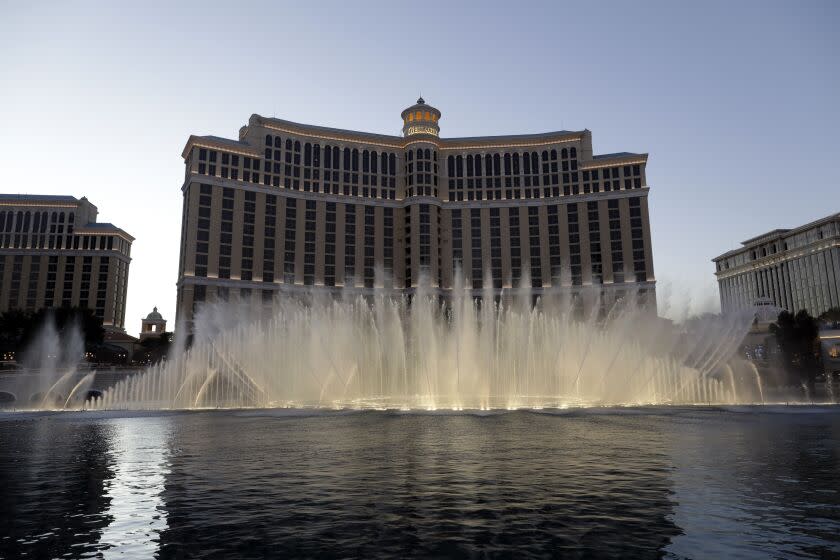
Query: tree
(155, 348)
(831, 316)
(14, 325)
(18, 328)
(798, 339)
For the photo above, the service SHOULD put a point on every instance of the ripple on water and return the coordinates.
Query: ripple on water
(642, 483)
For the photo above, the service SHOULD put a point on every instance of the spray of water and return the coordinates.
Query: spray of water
(51, 361)
(560, 350)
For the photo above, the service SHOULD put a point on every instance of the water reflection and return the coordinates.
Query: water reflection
(391, 485)
(52, 474)
(139, 457)
(647, 483)
(764, 482)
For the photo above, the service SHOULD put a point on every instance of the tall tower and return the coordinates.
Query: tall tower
(422, 213)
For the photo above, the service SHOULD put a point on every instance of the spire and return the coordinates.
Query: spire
(420, 100)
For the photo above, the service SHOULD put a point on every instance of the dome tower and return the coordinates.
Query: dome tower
(420, 119)
(153, 325)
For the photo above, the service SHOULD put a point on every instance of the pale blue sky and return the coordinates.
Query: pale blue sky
(736, 102)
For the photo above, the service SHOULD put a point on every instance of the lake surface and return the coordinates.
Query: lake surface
(749, 482)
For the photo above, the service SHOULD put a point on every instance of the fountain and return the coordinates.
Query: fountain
(51, 378)
(428, 353)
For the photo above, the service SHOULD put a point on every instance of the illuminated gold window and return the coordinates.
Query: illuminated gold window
(418, 115)
(434, 118)
(411, 116)
(428, 116)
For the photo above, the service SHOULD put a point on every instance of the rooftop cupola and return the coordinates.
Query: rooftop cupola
(421, 119)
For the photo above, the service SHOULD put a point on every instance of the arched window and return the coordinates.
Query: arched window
(477, 162)
(297, 145)
(428, 116)
(289, 144)
(347, 159)
(2, 221)
(526, 162)
(573, 152)
(434, 155)
(392, 164)
(336, 151)
(459, 164)
(268, 139)
(277, 142)
(419, 153)
(418, 115)
(44, 216)
(428, 154)
(54, 217)
(411, 117)
(355, 159)
(410, 155)
(535, 162)
(19, 221)
(488, 164)
(516, 164)
(316, 155)
(373, 162)
(469, 166)
(564, 153)
(383, 163)
(61, 217)
(507, 164)
(450, 165)
(307, 154)
(553, 155)
(328, 156)
(26, 222)
(545, 155)
(365, 161)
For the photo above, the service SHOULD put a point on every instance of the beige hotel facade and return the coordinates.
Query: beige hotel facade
(53, 253)
(792, 269)
(289, 208)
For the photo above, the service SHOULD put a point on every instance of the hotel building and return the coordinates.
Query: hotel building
(53, 253)
(287, 207)
(792, 269)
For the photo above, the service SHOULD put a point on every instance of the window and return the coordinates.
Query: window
(290, 241)
(574, 244)
(349, 245)
(595, 243)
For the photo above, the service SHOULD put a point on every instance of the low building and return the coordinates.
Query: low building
(118, 347)
(830, 348)
(53, 253)
(792, 269)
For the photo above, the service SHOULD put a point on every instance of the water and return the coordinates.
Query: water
(738, 482)
(382, 353)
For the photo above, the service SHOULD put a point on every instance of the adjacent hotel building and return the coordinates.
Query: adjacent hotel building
(53, 253)
(290, 207)
(792, 269)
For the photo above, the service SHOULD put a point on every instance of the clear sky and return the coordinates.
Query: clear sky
(736, 102)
